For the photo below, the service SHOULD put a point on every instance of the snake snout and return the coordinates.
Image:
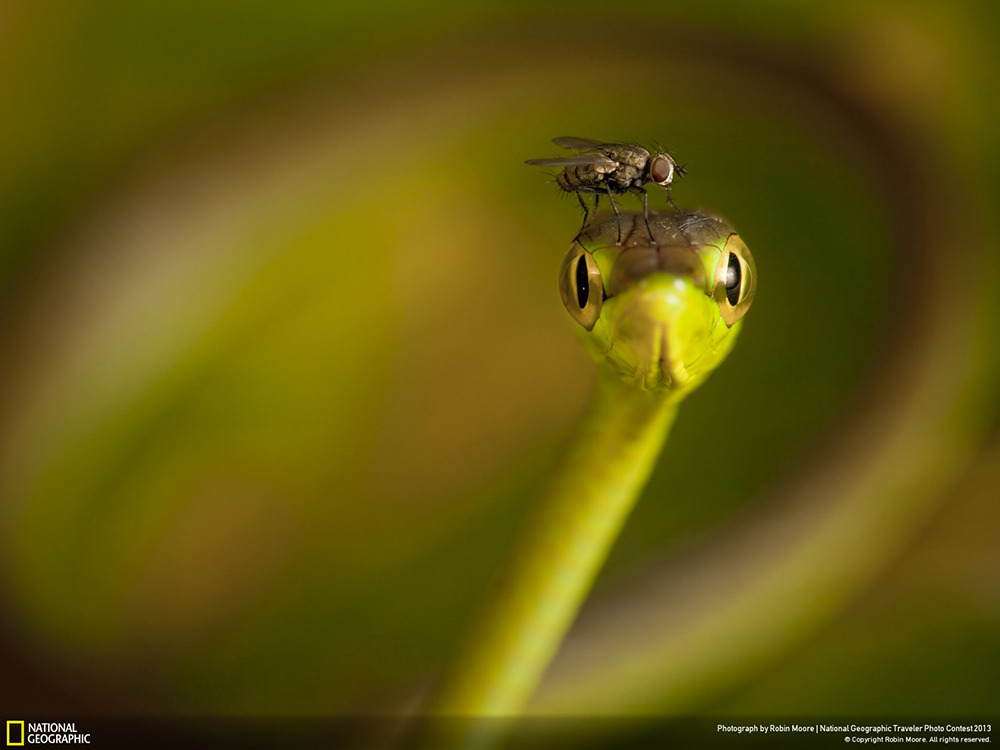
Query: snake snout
(661, 328)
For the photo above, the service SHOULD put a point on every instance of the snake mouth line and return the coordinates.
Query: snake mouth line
(675, 372)
(666, 366)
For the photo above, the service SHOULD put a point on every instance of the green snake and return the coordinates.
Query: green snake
(658, 318)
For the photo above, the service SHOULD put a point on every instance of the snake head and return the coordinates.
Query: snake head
(663, 308)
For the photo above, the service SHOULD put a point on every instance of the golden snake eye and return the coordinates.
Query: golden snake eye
(581, 286)
(735, 280)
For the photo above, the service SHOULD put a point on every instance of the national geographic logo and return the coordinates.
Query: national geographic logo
(44, 733)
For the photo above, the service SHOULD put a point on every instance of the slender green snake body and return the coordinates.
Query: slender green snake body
(657, 313)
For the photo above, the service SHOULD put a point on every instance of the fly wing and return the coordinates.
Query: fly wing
(577, 144)
(599, 160)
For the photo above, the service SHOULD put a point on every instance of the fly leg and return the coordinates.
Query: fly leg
(671, 202)
(618, 216)
(586, 213)
(645, 210)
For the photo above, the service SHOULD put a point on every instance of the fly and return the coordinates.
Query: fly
(611, 168)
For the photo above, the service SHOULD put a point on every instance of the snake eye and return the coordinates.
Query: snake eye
(735, 280)
(582, 282)
(581, 286)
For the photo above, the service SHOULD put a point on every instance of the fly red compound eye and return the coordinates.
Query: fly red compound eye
(662, 169)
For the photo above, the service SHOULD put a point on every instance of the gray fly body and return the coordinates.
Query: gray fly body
(613, 169)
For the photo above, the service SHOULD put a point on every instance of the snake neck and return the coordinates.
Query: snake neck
(623, 413)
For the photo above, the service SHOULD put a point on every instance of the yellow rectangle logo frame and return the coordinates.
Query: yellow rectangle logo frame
(15, 744)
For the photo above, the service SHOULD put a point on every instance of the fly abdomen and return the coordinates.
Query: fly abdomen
(578, 176)
(586, 177)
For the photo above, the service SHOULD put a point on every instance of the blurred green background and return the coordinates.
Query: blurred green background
(284, 359)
